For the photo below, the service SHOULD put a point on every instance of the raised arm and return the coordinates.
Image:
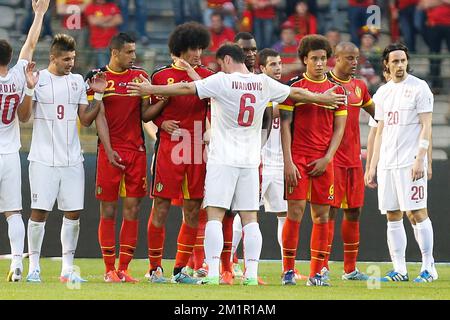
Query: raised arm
(40, 8)
(145, 88)
(88, 113)
(25, 108)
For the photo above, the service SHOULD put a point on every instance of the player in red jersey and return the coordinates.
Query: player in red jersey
(179, 165)
(121, 162)
(310, 137)
(348, 170)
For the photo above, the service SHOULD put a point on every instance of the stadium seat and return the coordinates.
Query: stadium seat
(10, 3)
(7, 17)
(4, 34)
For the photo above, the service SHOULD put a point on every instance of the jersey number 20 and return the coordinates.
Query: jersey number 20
(248, 109)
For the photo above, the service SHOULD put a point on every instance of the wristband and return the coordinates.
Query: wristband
(29, 92)
(98, 96)
(424, 144)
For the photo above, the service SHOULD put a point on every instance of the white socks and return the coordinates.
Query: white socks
(252, 252)
(237, 234)
(213, 246)
(281, 221)
(16, 234)
(36, 232)
(69, 238)
(425, 241)
(396, 236)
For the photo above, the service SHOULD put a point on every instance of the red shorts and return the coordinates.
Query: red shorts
(348, 187)
(317, 190)
(171, 179)
(112, 182)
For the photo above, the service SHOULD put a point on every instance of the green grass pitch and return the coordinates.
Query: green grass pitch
(96, 289)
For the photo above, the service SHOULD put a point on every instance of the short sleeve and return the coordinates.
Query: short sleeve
(83, 93)
(424, 99)
(209, 87)
(278, 92)
(367, 99)
(372, 123)
(378, 106)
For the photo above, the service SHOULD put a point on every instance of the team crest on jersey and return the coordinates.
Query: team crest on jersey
(136, 80)
(74, 86)
(358, 91)
(159, 187)
(408, 93)
(331, 192)
(99, 190)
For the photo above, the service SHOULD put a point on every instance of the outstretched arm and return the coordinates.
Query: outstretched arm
(328, 98)
(145, 88)
(40, 8)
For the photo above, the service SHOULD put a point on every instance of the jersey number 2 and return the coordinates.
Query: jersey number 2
(6, 117)
(248, 109)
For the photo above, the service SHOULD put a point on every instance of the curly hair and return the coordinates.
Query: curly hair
(313, 42)
(190, 35)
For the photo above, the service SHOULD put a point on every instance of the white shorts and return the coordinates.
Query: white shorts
(65, 184)
(231, 187)
(397, 191)
(272, 190)
(10, 182)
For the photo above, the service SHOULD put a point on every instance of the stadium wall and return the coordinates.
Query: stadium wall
(373, 225)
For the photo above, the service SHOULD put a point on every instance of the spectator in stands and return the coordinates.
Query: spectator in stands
(438, 25)
(103, 18)
(368, 48)
(47, 32)
(357, 16)
(405, 10)
(333, 36)
(264, 14)
(187, 10)
(73, 19)
(304, 22)
(220, 34)
(287, 47)
(140, 15)
(226, 7)
(290, 7)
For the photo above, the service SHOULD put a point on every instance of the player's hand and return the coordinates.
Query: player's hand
(140, 88)
(187, 66)
(98, 82)
(291, 174)
(418, 170)
(333, 99)
(320, 165)
(429, 171)
(369, 178)
(31, 77)
(115, 159)
(40, 6)
(170, 126)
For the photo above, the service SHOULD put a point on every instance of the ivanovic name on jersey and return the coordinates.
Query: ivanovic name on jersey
(250, 86)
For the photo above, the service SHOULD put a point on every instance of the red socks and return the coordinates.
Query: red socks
(199, 251)
(128, 240)
(290, 237)
(331, 224)
(155, 242)
(350, 237)
(107, 240)
(185, 243)
(227, 227)
(319, 244)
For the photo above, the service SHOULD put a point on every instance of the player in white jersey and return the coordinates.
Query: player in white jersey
(16, 90)
(56, 162)
(238, 105)
(404, 111)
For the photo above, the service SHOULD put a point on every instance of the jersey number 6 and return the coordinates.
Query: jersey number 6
(244, 108)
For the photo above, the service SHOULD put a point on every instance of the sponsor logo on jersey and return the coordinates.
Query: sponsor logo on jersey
(159, 187)
(123, 84)
(136, 80)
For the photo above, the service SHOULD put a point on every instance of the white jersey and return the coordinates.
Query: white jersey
(238, 102)
(11, 95)
(399, 106)
(272, 153)
(55, 141)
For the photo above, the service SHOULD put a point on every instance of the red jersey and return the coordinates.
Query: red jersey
(122, 110)
(217, 39)
(439, 15)
(99, 36)
(268, 12)
(360, 3)
(303, 25)
(349, 152)
(313, 126)
(189, 110)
